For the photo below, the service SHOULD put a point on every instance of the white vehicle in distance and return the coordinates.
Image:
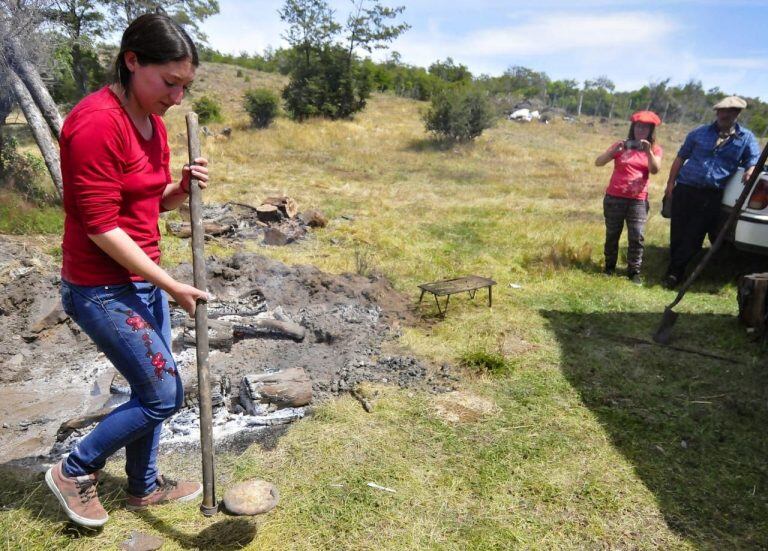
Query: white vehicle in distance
(751, 230)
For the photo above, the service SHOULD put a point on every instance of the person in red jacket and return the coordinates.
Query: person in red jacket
(626, 199)
(115, 166)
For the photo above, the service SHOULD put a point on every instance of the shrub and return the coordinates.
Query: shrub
(459, 114)
(482, 361)
(239, 73)
(26, 173)
(261, 106)
(207, 109)
(330, 85)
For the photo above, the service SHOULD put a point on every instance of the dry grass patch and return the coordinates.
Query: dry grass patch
(464, 407)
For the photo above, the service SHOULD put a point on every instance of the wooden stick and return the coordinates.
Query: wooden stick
(209, 506)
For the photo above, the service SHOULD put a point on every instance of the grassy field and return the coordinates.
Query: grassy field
(581, 435)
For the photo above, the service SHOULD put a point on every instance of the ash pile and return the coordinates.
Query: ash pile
(276, 221)
(270, 317)
(282, 338)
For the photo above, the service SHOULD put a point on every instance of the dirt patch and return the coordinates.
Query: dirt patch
(463, 407)
(50, 371)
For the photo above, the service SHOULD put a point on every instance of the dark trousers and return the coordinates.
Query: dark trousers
(617, 212)
(695, 213)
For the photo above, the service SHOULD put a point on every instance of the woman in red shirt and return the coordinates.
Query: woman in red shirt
(626, 199)
(115, 167)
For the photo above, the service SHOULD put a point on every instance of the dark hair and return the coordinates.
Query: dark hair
(155, 38)
(651, 135)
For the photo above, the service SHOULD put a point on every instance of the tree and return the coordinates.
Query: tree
(82, 23)
(326, 78)
(451, 72)
(19, 18)
(187, 13)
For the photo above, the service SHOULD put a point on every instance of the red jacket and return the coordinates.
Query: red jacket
(113, 178)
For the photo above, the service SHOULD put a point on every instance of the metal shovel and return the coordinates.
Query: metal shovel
(664, 333)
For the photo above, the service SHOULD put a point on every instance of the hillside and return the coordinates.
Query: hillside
(570, 431)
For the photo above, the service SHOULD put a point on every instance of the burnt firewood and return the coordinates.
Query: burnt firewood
(287, 205)
(287, 388)
(269, 213)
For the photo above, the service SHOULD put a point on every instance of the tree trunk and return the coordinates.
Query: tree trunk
(581, 100)
(20, 64)
(78, 68)
(39, 131)
(6, 103)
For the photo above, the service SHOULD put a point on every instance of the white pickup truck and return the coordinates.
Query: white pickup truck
(751, 230)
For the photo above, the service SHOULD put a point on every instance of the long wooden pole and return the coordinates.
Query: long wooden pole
(209, 507)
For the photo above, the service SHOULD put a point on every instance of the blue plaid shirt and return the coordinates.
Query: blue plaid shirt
(709, 167)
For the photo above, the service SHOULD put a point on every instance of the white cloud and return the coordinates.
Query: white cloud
(565, 32)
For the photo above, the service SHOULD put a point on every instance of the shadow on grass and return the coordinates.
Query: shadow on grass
(21, 488)
(725, 267)
(224, 535)
(693, 427)
(421, 145)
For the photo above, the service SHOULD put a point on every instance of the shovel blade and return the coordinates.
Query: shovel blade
(664, 333)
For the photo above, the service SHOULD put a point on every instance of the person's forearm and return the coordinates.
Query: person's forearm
(603, 158)
(654, 163)
(124, 250)
(673, 171)
(173, 196)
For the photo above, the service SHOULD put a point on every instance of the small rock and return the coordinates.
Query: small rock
(275, 237)
(140, 541)
(252, 497)
(314, 219)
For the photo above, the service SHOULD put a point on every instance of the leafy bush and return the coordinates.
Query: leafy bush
(459, 114)
(26, 173)
(239, 73)
(261, 106)
(207, 109)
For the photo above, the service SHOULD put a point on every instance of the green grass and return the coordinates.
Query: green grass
(596, 439)
(18, 217)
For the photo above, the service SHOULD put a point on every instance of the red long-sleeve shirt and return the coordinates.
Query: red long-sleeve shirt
(113, 178)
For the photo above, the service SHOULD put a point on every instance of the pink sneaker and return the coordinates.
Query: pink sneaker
(167, 490)
(77, 496)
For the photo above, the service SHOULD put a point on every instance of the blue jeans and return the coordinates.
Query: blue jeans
(130, 324)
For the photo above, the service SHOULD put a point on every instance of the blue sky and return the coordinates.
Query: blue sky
(724, 44)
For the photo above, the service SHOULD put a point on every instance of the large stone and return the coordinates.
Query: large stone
(287, 388)
(252, 497)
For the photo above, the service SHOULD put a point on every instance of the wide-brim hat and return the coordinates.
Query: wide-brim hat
(731, 102)
(648, 117)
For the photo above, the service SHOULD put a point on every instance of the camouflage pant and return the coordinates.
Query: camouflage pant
(617, 211)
